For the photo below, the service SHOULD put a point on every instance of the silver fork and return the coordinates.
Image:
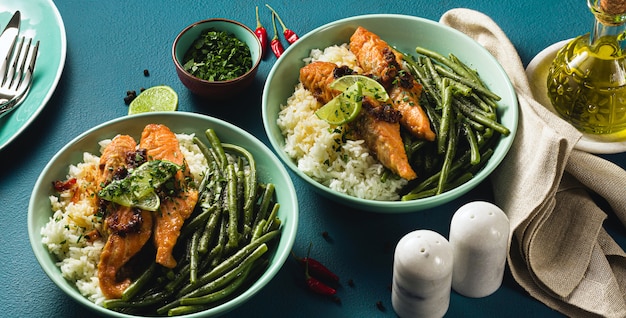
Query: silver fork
(18, 76)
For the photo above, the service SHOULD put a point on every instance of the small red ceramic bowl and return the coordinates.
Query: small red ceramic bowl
(216, 89)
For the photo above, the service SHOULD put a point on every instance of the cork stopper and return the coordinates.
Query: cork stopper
(613, 7)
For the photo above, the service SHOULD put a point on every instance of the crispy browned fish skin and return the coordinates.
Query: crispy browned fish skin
(381, 137)
(161, 144)
(127, 230)
(380, 60)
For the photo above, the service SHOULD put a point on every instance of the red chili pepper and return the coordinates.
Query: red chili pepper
(261, 33)
(289, 34)
(317, 269)
(316, 285)
(275, 44)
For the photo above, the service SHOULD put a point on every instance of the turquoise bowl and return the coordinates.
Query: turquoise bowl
(405, 33)
(270, 169)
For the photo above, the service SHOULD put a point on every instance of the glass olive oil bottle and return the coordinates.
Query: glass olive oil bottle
(587, 79)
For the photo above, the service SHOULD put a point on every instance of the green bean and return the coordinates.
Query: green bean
(434, 75)
(476, 86)
(193, 261)
(144, 302)
(250, 184)
(210, 157)
(449, 157)
(220, 294)
(232, 208)
(473, 144)
(229, 262)
(139, 283)
(271, 218)
(216, 144)
(193, 224)
(230, 275)
(266, 199)
(469, 73)
(446, 118)
(474, 115)
(210, 229)
(445, 61)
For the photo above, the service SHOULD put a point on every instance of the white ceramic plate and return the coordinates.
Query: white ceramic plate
(537, 71)
(41, 21)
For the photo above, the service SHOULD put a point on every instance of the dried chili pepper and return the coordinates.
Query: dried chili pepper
(261, 33)
(275, 44)
(290, 35)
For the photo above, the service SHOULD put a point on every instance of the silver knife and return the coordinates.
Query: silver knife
(8, 38)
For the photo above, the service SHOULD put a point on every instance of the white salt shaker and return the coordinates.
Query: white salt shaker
(479, 233)
(422, 275)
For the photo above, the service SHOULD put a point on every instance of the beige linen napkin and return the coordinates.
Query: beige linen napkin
(559, 250)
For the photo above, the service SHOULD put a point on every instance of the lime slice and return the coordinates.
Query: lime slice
(138, 188)
(153, 99)
(344, 108)
(371, 87)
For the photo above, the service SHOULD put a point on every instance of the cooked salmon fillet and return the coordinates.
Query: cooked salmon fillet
(382, 137)
(176, 206)
(135, 229)
(127, 229)
(316, 77)
(375, 56)
(380, 132)
(405, 98)
(380, 60)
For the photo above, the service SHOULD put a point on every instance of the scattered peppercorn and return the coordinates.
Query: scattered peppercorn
(380, 306)
(350, 282)
(337, 300)
(130, 95)
(146, 73)
(327, 237)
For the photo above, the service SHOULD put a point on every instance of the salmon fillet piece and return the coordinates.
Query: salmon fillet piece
(127, 229)
(160, 143)
(382, 137)
(375, 56)
(381, 61)
(316, 77)
(405, 98)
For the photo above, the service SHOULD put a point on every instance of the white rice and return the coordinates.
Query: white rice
(316, 148)
(74, 216)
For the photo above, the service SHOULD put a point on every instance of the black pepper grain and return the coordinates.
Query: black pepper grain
(146, 73)
(380, 306)
(350, 282)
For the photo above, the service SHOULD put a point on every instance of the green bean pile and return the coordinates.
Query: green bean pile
(223, 245)
(462, 111)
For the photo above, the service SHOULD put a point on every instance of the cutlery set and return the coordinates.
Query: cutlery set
(18, 64)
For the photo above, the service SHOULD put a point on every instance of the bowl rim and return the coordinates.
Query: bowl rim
(280, 257)
(250, 71)
(393, 206)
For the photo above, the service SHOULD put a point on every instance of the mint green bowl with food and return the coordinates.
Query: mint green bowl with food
(388, 154)
(229, 214)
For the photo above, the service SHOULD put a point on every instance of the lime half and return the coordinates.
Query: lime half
(153, 99)
(344, 108)
(371, 87)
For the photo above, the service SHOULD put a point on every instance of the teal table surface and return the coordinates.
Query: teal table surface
(110, 43)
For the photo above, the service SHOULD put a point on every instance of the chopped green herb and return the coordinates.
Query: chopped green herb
(217, 56)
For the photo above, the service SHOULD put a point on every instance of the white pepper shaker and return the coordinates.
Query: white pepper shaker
(479, 233)
(422, 275)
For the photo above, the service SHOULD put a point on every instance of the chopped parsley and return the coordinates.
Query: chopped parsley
(217, 56)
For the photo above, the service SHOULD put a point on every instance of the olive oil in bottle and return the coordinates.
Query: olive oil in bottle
(587, 79)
